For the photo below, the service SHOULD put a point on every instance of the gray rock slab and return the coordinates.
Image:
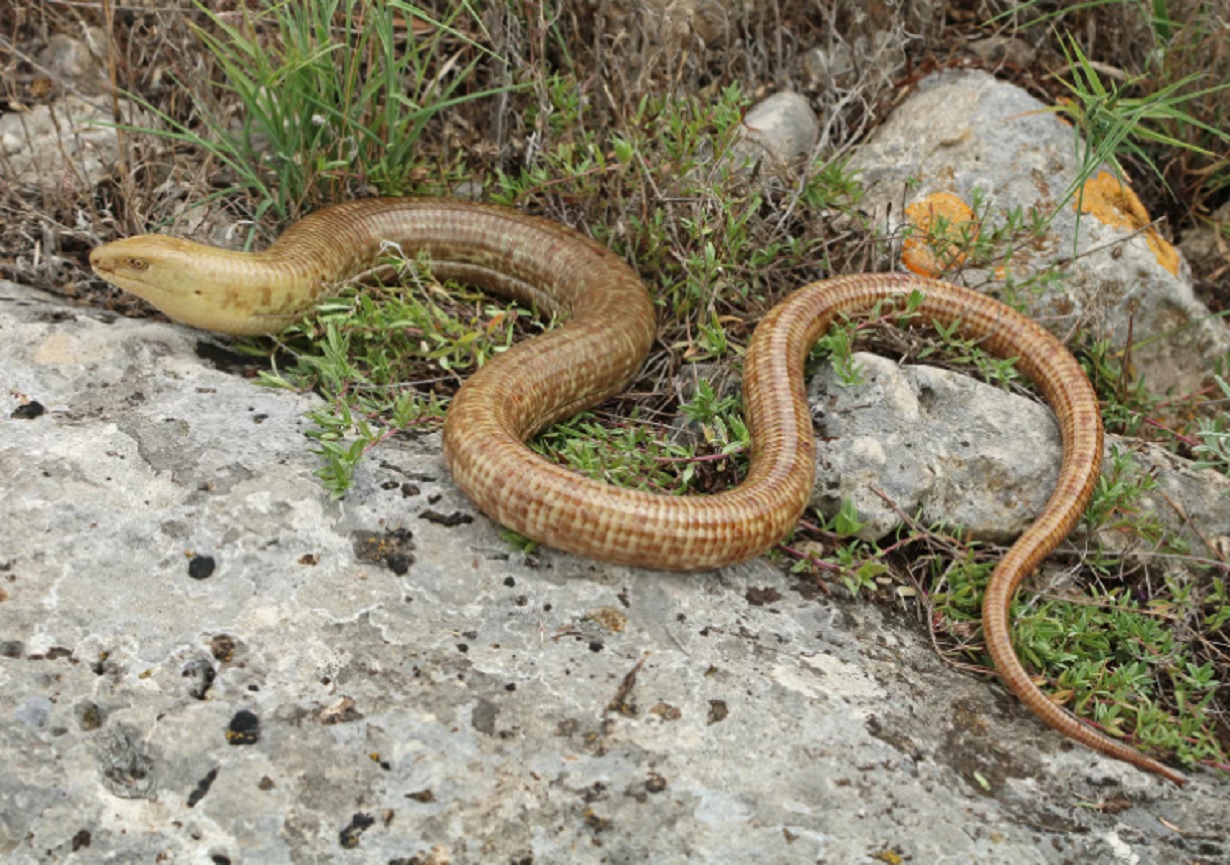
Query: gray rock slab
(942, 447)
(73, 137)
(365, 681)
(777, 133)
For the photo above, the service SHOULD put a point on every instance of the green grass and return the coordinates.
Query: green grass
(387, 359)
(1104, 655)
(1169, 106)
(336, 102)
(1114, 124)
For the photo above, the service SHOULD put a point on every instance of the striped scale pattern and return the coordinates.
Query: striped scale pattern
(608, 332)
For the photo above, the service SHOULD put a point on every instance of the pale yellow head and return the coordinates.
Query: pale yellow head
(210, 288)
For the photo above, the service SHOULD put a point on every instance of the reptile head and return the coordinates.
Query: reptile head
(192, 283)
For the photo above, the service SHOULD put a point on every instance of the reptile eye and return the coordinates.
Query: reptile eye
(138, 263)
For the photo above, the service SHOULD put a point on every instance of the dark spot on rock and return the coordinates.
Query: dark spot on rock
(202, 787)
(81, 840)
(201, 567)
(423, 796)
(55, 316)
(28, 411)
(390, 485)
(965, 750)
(12, 648)
(244, 729)
(259, 418)
(414, 476)
(102, 665)
(224, 359)
(717, 711)
(456, 518)
(89, 715)
(1211, 850)
(359, 823)
(463, 648)
(666, 711)
(510, 582)
(265, 783)
(484, 716)
(202, 675)
(595, 792)
(409, 490)
(760, 597)
(656, 783)
(309, 559)
(521, 600)
(222, 647)
(393, 549)
(890, 734)
(595, 822)
(433, 498)
(219, 859)
(511, 686)
(595, 646)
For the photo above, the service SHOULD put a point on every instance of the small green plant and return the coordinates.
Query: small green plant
(1104, 657)
(858, 564)
(957, 584)
(706, 406)
(962, 351)
(858, 572)
(385, 359)
(625, 454)
(1116, 495)
(846, 523)
(839, 341)
(1126, 401)
(837, 344)
(633, 454)
(1213, 452)
(1129, 408)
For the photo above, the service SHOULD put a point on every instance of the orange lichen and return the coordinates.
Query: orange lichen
(944, 226)
(1113, 202)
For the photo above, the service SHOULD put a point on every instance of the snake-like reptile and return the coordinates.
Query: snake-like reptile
(609, 327)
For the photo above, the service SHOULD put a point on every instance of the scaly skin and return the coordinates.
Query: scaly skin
(610, 326)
